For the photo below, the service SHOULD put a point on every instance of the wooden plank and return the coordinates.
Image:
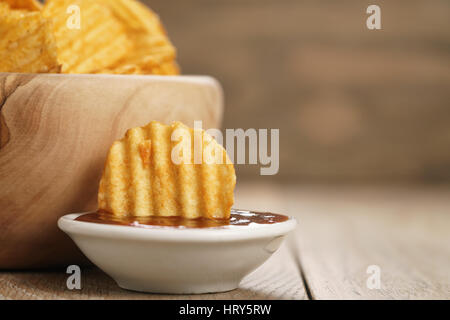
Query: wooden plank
(342, 231)
(404, 231)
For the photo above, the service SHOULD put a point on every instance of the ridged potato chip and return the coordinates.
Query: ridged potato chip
(26, 43)
(96, 43)
(31, 5)
(166, 69)
(141, 178)
(152, 51)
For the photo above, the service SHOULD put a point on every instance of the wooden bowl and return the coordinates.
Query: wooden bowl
(55, 131)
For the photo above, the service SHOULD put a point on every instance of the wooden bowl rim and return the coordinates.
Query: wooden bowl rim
(200, 79)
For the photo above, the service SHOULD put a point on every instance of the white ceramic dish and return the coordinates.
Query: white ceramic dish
(172, 260)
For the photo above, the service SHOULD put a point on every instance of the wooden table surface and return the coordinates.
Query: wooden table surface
(403, 231)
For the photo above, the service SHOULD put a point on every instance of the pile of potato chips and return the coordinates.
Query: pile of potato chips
(83, 36)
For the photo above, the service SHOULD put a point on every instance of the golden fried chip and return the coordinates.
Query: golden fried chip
(167, 69)
(89, 37)
(26, 43)
(151, 47)
(31, 5)
(154, 170)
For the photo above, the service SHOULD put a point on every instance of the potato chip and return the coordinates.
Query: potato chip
(31, 5)
(166, 69)
(141, 178)
(89, 37)
(151, 47)
(26, 43)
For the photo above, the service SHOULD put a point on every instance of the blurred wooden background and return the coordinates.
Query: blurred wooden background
(351, 104)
